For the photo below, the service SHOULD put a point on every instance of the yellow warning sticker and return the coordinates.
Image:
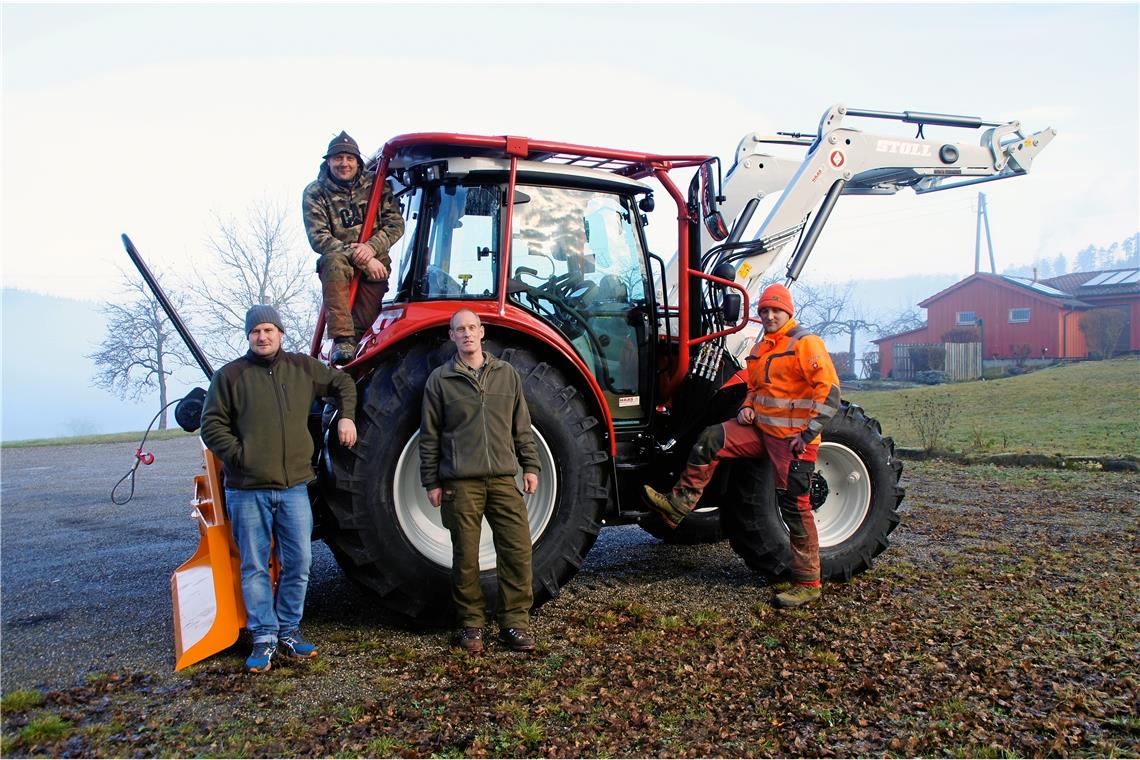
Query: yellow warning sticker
(745, 268)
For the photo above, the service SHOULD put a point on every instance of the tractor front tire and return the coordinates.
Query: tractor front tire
(701, 526)
(860, 475)
(386, 535)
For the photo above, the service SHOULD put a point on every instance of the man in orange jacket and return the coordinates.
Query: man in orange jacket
(792, 391)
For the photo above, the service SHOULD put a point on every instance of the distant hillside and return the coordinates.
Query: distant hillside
(47, 378)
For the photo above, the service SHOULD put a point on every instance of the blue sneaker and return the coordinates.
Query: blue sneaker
(294, 645)
(260, 657)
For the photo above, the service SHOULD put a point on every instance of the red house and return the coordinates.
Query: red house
(1017, 315)
(1116, 288)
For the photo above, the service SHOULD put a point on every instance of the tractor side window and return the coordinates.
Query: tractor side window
(401, 250)
(462, 243)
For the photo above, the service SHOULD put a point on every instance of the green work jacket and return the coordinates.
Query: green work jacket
(475, 425)
(256, 418)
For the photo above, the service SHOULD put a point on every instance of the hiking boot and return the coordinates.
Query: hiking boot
(470, 639)
(294, 645)
(663, 505)
(516, 639)
(260, 657)
(797, 596)
(344, 351)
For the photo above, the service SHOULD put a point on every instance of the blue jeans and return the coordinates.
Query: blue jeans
(256, 516)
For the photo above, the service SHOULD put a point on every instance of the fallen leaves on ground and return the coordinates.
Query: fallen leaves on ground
(1002, 622)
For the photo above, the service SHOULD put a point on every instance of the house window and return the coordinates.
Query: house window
(967, 318)
(1018, 315)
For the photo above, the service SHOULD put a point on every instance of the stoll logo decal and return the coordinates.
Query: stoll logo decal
(902, 147)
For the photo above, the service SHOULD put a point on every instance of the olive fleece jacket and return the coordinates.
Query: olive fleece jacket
(257, 413)
(475, 425)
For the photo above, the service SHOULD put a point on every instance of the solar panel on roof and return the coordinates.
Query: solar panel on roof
(1114, 278)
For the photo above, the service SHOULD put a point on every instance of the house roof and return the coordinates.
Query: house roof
(900, 335)
(1106, 282)
(1023, 284)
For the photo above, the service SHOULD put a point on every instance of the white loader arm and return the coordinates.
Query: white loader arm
(845, 161)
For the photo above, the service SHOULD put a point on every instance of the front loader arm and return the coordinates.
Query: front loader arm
(841, 160)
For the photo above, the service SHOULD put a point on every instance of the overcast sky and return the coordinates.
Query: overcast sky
(150, 120)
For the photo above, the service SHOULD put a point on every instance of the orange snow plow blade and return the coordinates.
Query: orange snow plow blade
(206, 589)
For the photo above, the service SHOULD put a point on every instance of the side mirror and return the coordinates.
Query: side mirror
(731, 307)
(711, 199)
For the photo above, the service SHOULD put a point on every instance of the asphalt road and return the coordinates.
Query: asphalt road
(85, 584)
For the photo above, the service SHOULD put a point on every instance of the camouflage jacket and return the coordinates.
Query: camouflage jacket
(335, 214)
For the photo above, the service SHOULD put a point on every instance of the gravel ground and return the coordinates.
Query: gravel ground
(1001, 622)
(86, 582)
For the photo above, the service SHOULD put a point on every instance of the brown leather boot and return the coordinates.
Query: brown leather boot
(470, 639)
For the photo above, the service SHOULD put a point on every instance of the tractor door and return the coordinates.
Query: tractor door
(578, 255)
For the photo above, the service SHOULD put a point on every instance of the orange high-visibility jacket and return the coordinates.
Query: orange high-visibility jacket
(792, 385)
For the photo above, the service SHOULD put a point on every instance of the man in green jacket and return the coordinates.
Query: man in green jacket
(475, 432)
(256, 422)
(335, 205)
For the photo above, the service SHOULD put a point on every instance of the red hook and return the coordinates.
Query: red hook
(144, 456)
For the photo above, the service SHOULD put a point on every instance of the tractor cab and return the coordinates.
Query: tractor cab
(576, 263)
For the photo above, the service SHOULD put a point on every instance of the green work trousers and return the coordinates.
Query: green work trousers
(465, 503)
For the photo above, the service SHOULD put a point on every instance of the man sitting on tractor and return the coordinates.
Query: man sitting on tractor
(335, 205)
(792, 391)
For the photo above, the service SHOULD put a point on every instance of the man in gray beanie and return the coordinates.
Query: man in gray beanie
(256, 422)
(334, 207)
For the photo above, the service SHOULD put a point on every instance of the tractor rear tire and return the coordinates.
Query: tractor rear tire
(387, 537)
(860, 511)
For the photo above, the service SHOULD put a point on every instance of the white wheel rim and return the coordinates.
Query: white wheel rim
(423, 526)
(849, 494)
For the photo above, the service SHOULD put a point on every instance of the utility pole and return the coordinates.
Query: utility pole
(983, 218)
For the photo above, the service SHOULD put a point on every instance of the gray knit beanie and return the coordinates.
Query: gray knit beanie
(262, 313)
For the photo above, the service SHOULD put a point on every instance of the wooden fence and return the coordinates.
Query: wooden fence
(963, 361)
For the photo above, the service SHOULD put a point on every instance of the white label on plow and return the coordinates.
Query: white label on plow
(197, 607)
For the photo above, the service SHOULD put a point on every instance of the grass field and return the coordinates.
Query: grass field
(155, 435)
(1091, 408)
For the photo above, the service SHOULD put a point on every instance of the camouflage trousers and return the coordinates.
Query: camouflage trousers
(465, 503)
(336, 272)
(731, 440)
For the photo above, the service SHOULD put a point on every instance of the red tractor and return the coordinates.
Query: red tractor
(625, 357)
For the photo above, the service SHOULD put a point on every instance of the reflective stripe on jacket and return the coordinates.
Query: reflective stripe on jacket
(792, 385)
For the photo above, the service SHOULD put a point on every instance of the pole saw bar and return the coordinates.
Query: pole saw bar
(168, 307)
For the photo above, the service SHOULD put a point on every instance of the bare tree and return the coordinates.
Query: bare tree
(141, 348)
(905, 321)
(256, 261)
(824, 309)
